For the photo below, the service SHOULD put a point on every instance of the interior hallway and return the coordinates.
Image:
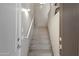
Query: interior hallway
(40, 44)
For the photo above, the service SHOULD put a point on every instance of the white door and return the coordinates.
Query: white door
(7, 29)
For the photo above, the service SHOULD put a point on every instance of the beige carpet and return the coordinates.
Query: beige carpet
(40, 44)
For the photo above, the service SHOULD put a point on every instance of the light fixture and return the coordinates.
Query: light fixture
(26, 11)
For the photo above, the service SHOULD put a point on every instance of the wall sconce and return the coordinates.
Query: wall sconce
(26, 11)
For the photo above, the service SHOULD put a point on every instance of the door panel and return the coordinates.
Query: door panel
(69, 32)
(7, 29)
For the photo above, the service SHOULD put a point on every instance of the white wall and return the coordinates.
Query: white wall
(51, 12)
(41, 14)
(53, 27)
(26, 23)
(26, 19)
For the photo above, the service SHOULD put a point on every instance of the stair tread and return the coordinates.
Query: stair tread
(40, 53)
(40, 41)
(40, 44)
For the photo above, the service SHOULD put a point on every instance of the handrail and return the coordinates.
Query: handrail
(28, 33)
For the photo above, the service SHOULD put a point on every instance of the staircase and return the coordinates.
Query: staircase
(40, 44)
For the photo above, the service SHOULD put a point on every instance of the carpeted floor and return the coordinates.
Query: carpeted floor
(40, 44)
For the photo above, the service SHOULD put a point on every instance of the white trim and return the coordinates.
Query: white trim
(20, 35)
(16, 32)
